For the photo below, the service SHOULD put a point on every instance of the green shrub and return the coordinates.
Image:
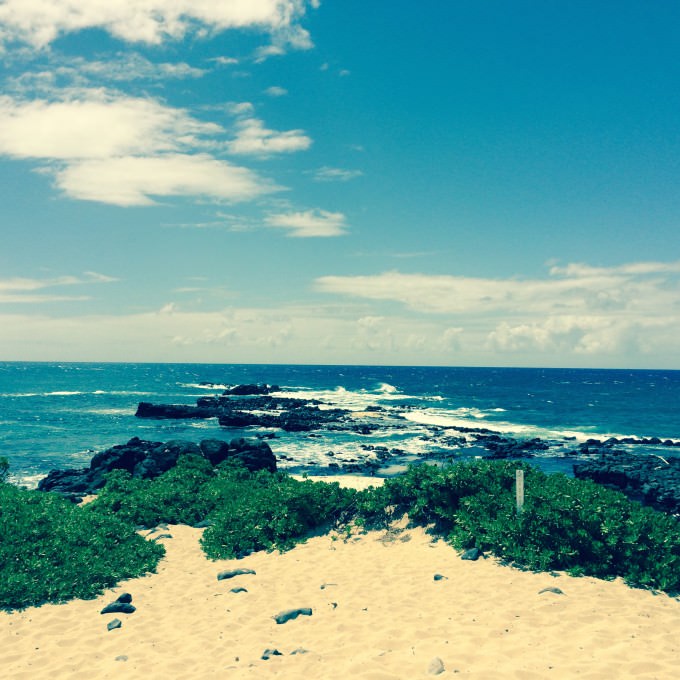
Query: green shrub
(4, 469)
(172, 497)
(266, 511)
(566, 524)
(248, 511)
(52, 550)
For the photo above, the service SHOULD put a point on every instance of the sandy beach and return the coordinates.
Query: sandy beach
(377, 612)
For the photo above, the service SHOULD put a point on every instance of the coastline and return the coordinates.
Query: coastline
(377, 613)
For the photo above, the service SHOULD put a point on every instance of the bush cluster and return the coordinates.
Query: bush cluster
(247, 511)
(52, 550)
(566, 524)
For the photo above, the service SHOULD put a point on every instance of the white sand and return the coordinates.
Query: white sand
(378, 614)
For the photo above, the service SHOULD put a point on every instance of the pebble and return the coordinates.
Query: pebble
(472, 554)
(557, 591)
(119, 608)
(223, 575)
(268, 653)
(291, 614)
(436, 666)
(112, 625)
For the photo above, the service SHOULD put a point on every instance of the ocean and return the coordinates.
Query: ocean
(57, 415)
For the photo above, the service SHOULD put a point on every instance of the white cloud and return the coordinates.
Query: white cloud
(309, 223)
(327, 174)
(128, 181)
(25, 291)
(253, 138)
(632, 309)
(39, 22)
(623, 289)
(66, 74)
(276, 91)
(225, 61)
(95, 124)
(123, 150)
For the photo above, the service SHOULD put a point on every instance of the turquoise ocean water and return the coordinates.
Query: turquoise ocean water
(55, 415)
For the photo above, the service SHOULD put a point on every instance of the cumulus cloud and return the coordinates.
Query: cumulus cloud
(95, 124)
(40, 22)
(123, 150)
(578, 309)
(253, 138)
(130, 180)
(309, 223)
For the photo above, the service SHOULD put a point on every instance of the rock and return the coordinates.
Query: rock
(472, 554)
(253, 453)
(204, 524)
(242, 390)
(124, 597)
(436, 666)
(112, 625)
(230, 573)
(268, 653)
(238, 589)
(299, 650)
(147, 460)
(290, 614)
(172, 411)
(439, 577)
(119, 608)
(557, 591)
(651, 480)
(215, 450)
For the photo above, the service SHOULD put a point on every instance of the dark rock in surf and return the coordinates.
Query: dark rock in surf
(651, 480)
(147, 460)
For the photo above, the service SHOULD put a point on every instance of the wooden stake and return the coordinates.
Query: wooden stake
(519, 490)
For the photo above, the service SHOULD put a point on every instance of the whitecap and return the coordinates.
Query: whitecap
(61, 394)
(386, 388)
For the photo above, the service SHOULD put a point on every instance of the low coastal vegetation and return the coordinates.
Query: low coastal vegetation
(52, 550)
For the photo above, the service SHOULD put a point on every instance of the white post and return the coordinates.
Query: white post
(519, 490)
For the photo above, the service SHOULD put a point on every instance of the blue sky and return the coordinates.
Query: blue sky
(281, 181)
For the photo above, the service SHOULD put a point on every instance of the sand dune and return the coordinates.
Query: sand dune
(377, 613)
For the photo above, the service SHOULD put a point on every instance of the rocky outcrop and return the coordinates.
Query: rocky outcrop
(652, 480)
(249, 407)
(243, 390)
(146, 460)
(301, 419)
(507, 447)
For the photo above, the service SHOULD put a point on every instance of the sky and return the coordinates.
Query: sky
(341, 182)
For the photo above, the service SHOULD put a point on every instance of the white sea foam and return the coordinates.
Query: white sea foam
(111, 411)
(209, 386)
(387, 388)
(30, 481)
(452, 419)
